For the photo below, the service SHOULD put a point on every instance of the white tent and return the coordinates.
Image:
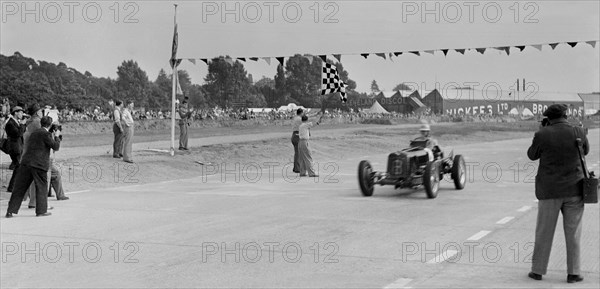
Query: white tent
(290, 107)
(377, 108)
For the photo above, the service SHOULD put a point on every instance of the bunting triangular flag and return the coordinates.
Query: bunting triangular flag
(572, 43)
(445, 51)
(415, 53)
(192, 60)
(280, 59)
(253, 58)
(461, 51)
(429, 51)
(480, 50)
(382, 55)
(537, 46)
(553, 45)
(323, 57)
(592, 43)
(365, 55)
(505, 49)
(390, 56)
(267, 60)
(242, 59)
(521, 47)
(338, 57)
(397, 53)
(204, 60)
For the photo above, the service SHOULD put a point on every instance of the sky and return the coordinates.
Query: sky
(97, 36)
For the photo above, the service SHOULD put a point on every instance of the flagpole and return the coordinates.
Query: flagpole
(173, 96)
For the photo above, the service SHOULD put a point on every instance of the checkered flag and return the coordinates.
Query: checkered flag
(331, 82)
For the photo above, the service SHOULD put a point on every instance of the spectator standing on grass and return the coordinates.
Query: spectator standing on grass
(34, 168)
(127, 124)
(304, 155)
(118, 130)
(296, 121)
(558, 187)
(15, 128)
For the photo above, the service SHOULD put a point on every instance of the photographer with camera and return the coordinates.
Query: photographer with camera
(558, 187)
(34, 168)
(34, 124)
(15, 128)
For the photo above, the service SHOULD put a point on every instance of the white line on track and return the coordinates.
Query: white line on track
(443, 257)
(505, 220)
(524, 209)
(77, 192)
(400, 283)
(479, 235)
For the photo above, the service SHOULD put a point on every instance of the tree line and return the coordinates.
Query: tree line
(25, 80)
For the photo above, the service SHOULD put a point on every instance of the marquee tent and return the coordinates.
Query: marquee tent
(290, 107)
(377, 108)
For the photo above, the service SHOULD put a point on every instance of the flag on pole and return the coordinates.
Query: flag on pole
(331, 82)
(178, 90)
(174, 61)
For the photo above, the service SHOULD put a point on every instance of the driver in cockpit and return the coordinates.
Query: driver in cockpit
(430, 142)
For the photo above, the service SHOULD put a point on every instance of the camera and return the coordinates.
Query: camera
(55, 127)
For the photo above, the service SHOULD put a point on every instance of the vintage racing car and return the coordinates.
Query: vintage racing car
(412, 167)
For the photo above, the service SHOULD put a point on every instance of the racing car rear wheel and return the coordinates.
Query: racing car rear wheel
(365, 178)
(431, 179)
(459, 172)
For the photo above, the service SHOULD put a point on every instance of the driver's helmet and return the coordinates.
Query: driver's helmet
(424, 127)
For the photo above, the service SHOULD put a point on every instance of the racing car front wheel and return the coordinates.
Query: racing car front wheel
(431, 179)
(365, 178)
(459, 172)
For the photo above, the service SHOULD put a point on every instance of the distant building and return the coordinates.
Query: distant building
(498, 102)
(591, 102)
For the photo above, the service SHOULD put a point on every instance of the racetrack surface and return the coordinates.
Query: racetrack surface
(263, 227)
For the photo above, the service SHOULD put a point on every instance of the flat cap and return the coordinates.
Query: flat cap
(16, 108)
(556, 111)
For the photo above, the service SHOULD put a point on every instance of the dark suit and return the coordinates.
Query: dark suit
(558, 187)
(118, 132)
(34, 167)
(14, 135)
(184, 122)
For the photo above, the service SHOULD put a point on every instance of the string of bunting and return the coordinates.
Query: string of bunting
(389, 55)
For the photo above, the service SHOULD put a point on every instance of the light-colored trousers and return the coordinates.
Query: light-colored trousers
(305, 158)
(127, 143)
(548, 210)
